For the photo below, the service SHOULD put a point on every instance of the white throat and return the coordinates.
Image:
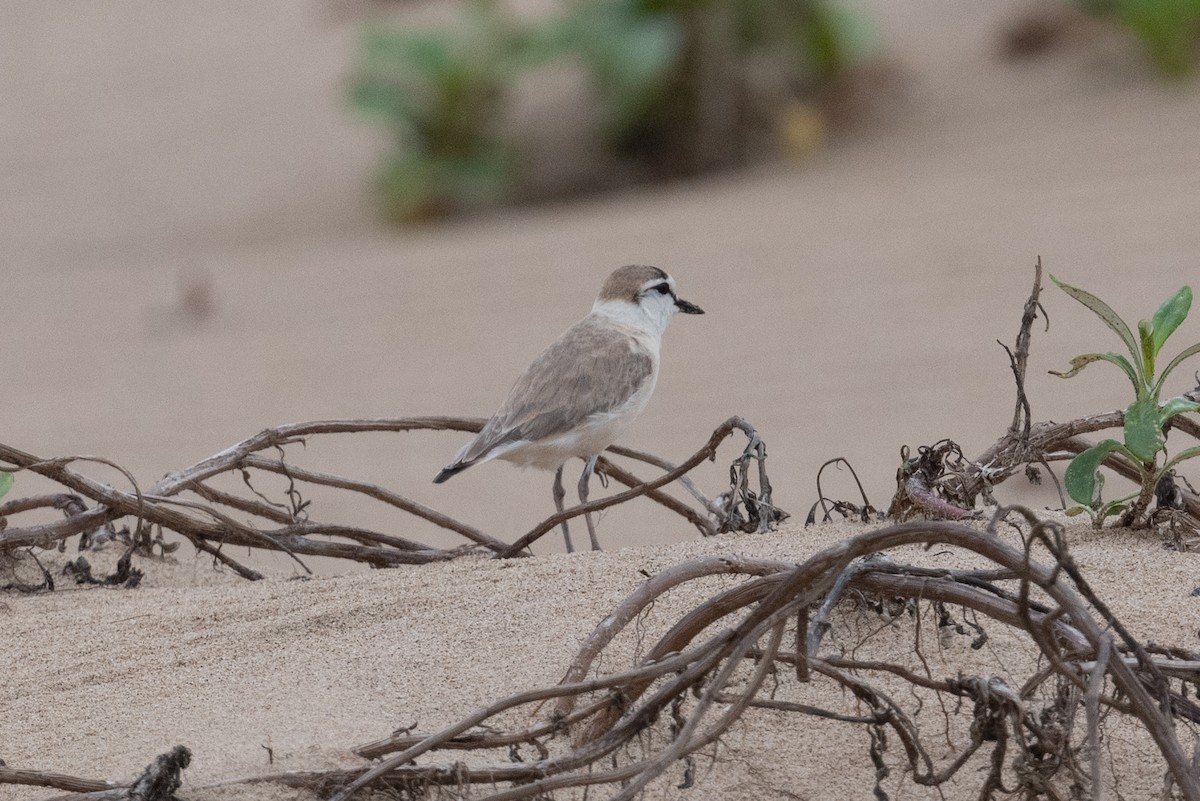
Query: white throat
(650, 317)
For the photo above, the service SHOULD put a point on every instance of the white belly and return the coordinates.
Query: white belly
(585, 441)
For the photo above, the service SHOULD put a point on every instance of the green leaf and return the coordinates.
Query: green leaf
(1110, 318)
(1169, 315)
(1167, 29)
(389, 52)
(832, 38)
(1187, 352)
(1109, 509)
(1177, 406)
(1080, 362)
(1114, 507)
(6, 482)
(1146, 339)
(1143, 429)
(386, 99)
(1100, 515)
(1081, 479)
(1186, 453)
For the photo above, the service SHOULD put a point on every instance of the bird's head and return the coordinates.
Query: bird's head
(642, 296)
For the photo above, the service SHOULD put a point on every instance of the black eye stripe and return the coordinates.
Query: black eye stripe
(664, 288)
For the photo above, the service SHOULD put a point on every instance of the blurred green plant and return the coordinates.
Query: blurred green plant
(1144, 418)
(821, 39)
(677, 79)
(6, 483)
(1168, 29)
(674, 80)
(442, 93)
(628, 49)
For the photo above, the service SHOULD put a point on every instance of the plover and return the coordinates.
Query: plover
(585, 389)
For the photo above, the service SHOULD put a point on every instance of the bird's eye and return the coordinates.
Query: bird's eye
(663, 288)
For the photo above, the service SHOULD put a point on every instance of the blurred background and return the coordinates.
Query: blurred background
(219, 218)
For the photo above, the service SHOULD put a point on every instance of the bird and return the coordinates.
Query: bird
(586, 388)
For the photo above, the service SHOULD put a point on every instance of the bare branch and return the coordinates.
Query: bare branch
(216, 519)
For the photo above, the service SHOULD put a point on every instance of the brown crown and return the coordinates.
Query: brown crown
(626, 282)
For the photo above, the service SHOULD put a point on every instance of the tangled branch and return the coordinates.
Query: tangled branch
(707, 671)
(188, 502)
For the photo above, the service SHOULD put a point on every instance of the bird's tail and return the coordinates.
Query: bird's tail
(452, 470)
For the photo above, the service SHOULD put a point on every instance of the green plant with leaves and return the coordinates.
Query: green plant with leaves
(1145, 418)
(627, 47)
(1168, 29)
(680, 87)
(676, 79)
(442, 93)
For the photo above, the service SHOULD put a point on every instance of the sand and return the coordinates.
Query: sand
(853, 305)
(99, 681)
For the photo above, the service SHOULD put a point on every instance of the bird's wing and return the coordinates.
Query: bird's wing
(591, 369)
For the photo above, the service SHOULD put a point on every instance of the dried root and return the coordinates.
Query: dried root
(931, 484)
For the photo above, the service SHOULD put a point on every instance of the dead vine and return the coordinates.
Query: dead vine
(1036, 733)
(214, 520)
(864, 512)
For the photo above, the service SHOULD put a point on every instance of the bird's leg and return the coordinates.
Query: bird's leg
(559, 494)
(588, 468)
